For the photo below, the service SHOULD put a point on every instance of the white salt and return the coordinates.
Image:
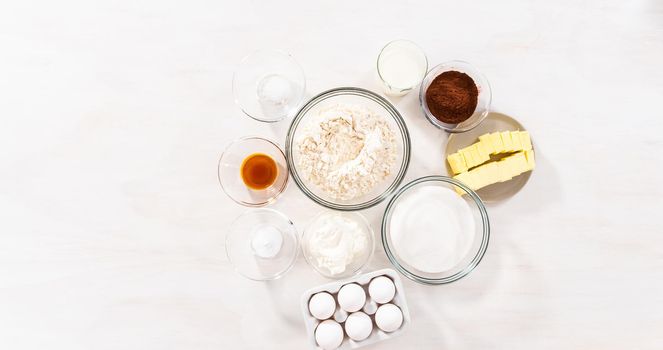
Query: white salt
(266, 241)
(274, 90)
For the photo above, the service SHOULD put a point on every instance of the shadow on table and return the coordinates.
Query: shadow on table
(286, 292)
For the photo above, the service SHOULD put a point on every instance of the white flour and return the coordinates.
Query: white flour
(432, 229)
(348, 153)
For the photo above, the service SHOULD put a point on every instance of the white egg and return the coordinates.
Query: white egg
(389, 317)
(329, 335)
(322, 306)
(351, 297)
(382, 289)
(358, 326)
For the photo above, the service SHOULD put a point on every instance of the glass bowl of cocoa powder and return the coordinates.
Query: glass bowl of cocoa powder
(455, 96)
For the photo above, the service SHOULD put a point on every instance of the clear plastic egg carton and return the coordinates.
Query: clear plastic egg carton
(370, 308)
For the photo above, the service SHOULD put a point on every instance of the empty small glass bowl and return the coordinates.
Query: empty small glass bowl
(246, 244)
(230, 167)
(477, 237)
(483, 102)
(324, 221)
(269, 86)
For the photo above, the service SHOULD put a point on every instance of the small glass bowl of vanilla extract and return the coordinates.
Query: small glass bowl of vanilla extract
(253, 171)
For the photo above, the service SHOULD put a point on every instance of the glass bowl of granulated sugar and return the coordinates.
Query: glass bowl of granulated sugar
(348, 149)
(435, 230)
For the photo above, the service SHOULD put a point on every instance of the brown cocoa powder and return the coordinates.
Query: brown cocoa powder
(452, 97)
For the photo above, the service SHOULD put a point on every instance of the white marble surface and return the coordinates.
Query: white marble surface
(113, 115)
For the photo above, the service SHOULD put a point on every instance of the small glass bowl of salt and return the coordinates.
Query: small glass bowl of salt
(262, 244)
(269, 85)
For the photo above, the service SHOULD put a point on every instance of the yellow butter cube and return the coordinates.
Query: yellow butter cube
(520, 162)
(487, 143)
(494, 170)
(496, 141)
(457, 163)
(467, 179)
(478, 158)
(467, 156)
(506, 140)
(470, 156)
(515, 139)
(483, 150)
(525, 140)
(490, 173)
(503, 172)
(515, 164)
(478, 177)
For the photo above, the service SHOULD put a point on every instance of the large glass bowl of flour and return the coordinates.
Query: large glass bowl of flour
(435, 230)
(348, 149)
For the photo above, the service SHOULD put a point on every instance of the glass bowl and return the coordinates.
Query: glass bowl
(483, 101)
(308, 115)
(246, 236)
(230, 177)
(269, 85)
(322, 220)
(469, 253)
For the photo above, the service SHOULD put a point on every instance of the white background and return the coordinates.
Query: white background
(113, 115)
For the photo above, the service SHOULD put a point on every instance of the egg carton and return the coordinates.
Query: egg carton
(370, 307)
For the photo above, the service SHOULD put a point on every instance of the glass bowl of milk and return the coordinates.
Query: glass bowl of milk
(435, 230)
(402, 65)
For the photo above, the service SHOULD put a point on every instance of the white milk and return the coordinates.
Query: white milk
(401, 65)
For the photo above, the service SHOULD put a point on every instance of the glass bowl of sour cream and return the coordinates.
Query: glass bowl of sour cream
(435, 230)
(338, 244)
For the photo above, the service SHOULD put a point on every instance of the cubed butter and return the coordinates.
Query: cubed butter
(508, 168)
(457, 163)
(487, 143)
(496, 141)
(491, 172)
(519, 163)
(525, 140)
(506, 140)
(478, 158)
(498, 171)
(515, 139)
(480, 178)
(484, 151)
(467, 179)
(467, 156)
(503, 172)
(485, 172)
